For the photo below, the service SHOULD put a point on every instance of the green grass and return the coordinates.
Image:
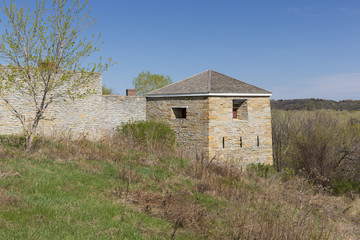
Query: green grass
(116, 190)
(60, 200)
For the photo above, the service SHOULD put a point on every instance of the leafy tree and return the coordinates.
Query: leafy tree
(146, 82)
(44, 49)
(107, 90)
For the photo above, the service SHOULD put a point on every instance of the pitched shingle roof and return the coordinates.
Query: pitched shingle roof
(209, 83)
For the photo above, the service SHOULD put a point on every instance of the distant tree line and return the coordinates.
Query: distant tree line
(315, 104)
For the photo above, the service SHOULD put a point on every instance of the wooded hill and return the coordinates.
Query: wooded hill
(313, 104)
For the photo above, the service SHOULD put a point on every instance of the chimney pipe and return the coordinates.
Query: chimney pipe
(130, 92)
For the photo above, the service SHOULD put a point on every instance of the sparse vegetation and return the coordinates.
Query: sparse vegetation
(118, 189)
(321, 145)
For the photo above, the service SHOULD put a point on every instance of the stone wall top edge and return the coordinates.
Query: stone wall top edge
(98, 74)
(123, 96)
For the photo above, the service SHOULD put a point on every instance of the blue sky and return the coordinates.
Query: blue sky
(294, 48)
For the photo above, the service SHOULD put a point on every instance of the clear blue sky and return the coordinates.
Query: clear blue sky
(294, 48)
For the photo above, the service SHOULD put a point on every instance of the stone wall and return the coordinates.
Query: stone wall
(120, 109)
(209, 127)
(240, 142)
(192, 132)
(92, 116)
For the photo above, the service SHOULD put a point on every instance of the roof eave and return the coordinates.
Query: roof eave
(211, 95)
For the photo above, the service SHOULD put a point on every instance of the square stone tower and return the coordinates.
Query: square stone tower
(218, 116)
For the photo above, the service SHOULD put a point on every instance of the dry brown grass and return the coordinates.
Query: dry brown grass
(324, 145)
(254, 207)
(8, 201)
(218, 202)
(269, 208)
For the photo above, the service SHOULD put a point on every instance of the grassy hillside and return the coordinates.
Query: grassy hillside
(122, 188)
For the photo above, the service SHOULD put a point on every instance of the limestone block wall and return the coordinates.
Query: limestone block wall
(76, 118)
(236, 141)
(192, 132)
(92, 116)
(209, 126)
(119, 109)
(9, 124)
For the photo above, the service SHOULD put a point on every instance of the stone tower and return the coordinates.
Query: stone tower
(219, 116)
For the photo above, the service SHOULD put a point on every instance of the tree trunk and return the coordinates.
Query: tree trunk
(29, 141)
(32, 133)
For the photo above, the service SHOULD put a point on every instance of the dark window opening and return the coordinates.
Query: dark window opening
(258, 141)
(223, 142)
(179, 112)
(240, 109)
(241, 143)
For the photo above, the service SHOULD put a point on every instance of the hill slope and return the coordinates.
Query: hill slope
(116, 189)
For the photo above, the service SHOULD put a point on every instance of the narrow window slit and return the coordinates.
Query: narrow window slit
(241, 143)
(223, 140)
(258, 141)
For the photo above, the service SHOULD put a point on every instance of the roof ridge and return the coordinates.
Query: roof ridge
(210, 82)
(241, 81)
(176, 82)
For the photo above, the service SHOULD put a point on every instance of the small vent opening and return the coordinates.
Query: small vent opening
(179, 112)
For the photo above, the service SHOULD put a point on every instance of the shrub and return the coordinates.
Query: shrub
(261, 170)
(14, 141)
(341, 186)
(149, 133)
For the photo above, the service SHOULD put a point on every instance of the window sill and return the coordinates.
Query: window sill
(240, 120)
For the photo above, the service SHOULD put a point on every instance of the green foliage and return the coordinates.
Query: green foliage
(341, 186)
(12, 141)
(150, 133)
(146, 82)
(107, 91)
(44, 49)
(262, 170)
(288, 174)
